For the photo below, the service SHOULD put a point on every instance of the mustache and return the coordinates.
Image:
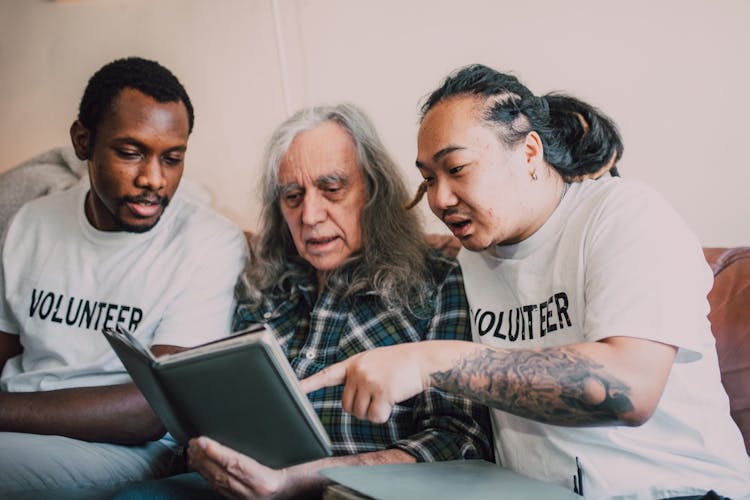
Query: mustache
(154, 199)
(451, 211)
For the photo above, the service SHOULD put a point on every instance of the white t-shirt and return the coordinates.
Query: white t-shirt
(613, 260)
(62, 281)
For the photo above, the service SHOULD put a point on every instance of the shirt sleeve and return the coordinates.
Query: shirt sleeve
(8, 323)
(646, 275)
(451, 427)
(202, 311)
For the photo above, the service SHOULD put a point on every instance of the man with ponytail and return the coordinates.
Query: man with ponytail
(588, 303)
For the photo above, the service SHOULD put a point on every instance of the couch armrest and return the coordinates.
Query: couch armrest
(730, 322)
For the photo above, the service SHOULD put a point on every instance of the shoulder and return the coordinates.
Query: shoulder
(51, 204)
(616, 194)
(628, 205)
(441, 267)
(53, 212)
(199, 223)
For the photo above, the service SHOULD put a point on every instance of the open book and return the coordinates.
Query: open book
(239, 390)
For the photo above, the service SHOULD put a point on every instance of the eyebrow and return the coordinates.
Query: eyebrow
(440, 154)
(322, 180)
(135, 142)
(331, 179)
(287, 188)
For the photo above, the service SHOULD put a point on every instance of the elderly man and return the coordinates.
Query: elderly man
(341, 267)
(107, 253)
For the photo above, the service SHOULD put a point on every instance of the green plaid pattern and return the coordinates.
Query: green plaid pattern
(314, 334)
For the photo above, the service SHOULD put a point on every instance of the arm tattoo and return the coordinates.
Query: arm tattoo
(555, 386)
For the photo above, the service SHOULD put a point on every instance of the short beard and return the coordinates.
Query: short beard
(131, 228)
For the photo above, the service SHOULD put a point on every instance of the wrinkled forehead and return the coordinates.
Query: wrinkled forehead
(324, 153)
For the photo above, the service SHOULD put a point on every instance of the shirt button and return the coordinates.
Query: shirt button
(310, 355)
(266, 315)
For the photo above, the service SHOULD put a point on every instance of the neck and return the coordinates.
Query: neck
(322, 280)
(550, 195)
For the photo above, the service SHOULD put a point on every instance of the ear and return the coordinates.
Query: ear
(533, 149)
(80, 137)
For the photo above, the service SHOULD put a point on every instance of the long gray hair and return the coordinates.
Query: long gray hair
(391, 263)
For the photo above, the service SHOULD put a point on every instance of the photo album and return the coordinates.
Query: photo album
(239, 390)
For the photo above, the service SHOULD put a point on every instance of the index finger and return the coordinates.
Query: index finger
(334, 374)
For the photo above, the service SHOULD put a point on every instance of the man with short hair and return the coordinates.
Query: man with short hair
(124, 250)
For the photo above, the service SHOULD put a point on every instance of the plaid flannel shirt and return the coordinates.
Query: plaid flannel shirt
(316, 333)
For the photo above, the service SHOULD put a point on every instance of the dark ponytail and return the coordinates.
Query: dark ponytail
(584, 138)
(578, 139)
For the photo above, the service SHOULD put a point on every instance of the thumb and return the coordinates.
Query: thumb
(334, 374)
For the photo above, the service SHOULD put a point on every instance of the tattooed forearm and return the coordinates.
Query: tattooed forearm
(557, 386)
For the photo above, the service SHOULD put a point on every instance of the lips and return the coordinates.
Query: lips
(459, 225)
(321, 245)
(145, 207)
(320, 241)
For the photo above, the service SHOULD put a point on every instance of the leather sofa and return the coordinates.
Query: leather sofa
(730, 322)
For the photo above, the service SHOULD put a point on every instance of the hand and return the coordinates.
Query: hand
(233, 474)
(375, 380)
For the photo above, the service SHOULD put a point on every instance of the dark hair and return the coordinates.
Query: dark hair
(578, 139)
(146, 76)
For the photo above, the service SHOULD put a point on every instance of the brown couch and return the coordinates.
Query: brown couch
(730, 322)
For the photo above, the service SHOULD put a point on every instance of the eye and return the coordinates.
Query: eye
(333, 191)
(173, 160)
(455, 170)
(292, 199)
(127, 154)
(429, 180)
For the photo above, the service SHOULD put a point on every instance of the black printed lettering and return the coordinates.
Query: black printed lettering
(88, 314)
(529, 310)
(100, 306)
(121, 314)
(513, 334)
(81, 313)
(43, 313)
(109, 316)
(486, 315)
(551, 325)
(561, 300)
(499, 324)
(69, 321)
(35, 301)
(55, 317)
(135, 319)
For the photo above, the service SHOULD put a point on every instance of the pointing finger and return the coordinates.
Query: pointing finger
(327, 377)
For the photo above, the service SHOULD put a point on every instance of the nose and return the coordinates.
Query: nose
(313, 208)
(150, 175)
(441, 196)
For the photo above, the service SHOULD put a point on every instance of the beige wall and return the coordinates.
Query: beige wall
(674, 74)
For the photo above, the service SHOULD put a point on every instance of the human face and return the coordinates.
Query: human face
(322, 196)
(476, 185)
(136, 161)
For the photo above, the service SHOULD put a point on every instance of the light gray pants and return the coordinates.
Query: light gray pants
(31, 462)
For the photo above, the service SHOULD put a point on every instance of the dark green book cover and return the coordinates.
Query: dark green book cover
(239, 390)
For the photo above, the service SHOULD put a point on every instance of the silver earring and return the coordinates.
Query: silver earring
(533, 176)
